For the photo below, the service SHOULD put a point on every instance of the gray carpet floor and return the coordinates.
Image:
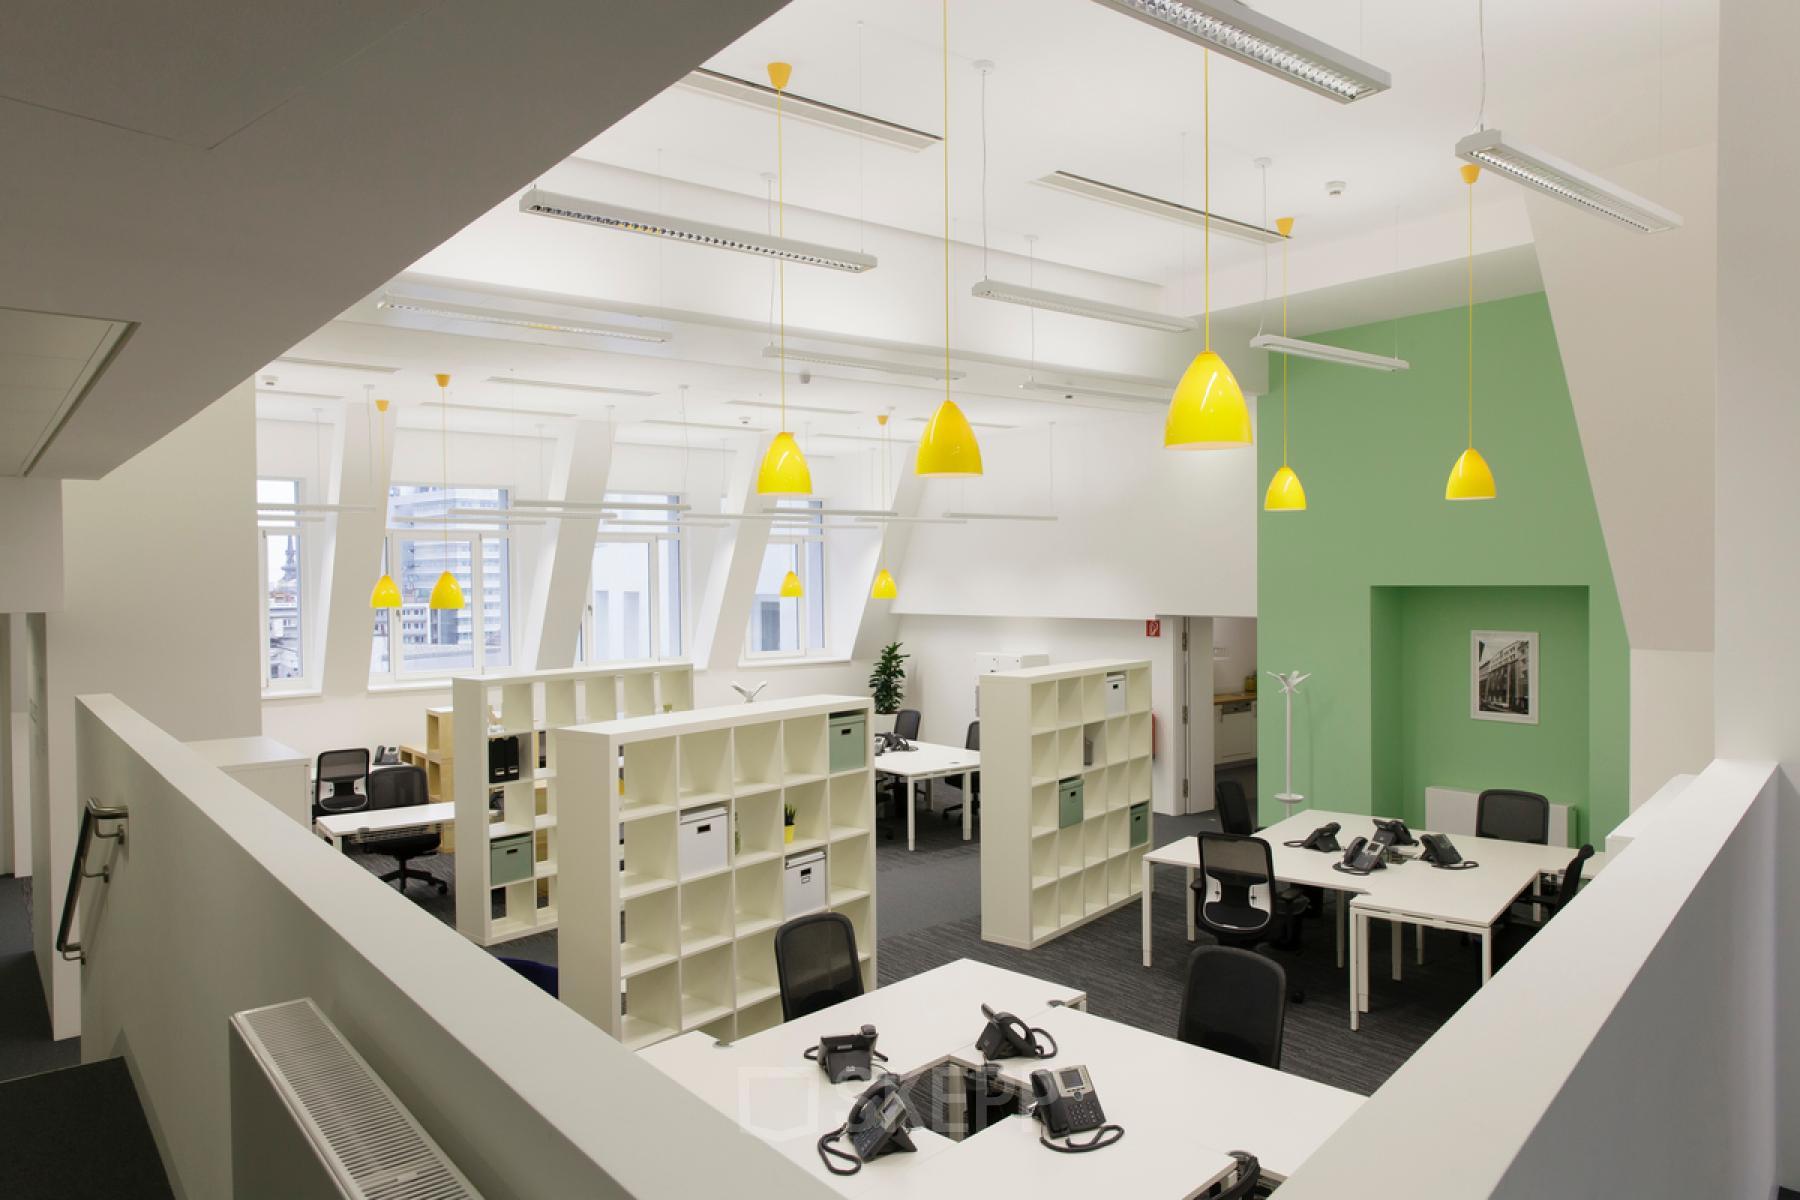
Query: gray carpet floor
(25, 1045)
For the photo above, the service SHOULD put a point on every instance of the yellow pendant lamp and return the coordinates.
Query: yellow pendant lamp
(1207, 411)
(790, 587)
(1285, 493)
(1470, 478)
(386, 593)
(884, 587)
(947, 448)
(446, 593)
(784, 471)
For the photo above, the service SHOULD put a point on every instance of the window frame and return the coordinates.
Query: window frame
(813, 589)
(283, 527)
(653, 543)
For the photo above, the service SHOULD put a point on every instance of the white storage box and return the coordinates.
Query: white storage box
(704, 841)
(1115, 694)
(804, 882)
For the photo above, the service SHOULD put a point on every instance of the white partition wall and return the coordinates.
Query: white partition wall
(677, 869)
(1065, 796)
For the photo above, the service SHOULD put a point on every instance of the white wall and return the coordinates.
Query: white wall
(160, 609)
(1758, 509)
(1627, 1050)
(528, 1098)
(1671, 717)
(31, 545)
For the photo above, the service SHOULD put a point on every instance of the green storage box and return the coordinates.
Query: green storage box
(1068, 803)
(509, 859)
(849, 741)
(1140, 824)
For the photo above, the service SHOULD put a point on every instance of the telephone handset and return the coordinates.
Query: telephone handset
(1364, 855)
(847, 1056)
(1441, 854)
(878, 1124)
(1005, 1036)
(1249, 1177)
(1065, 1103)
(1402, 836)
(1323, 839)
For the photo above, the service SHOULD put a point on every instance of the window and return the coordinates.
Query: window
(634, 602)
(788, 627)
(417, 640)
(283, 597)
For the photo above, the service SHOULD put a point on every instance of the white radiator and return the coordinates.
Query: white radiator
(309, 1118)
(1452, 810)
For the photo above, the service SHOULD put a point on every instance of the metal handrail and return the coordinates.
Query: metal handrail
(91, 815)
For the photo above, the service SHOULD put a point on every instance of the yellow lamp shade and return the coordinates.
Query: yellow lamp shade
(386, 593)
(790, 587)
(1470, 478)
(884, 588)
(1208, 410)
(446, 592)
(948, 447)
(784, 471)
(1285, 493)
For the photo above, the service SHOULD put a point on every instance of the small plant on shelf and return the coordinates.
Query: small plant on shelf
(887, 682)
(787, 822)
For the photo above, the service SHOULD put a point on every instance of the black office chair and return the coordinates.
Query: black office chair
(906, 724)
(973, 796)
(1238, 900)
(544, 975)
(1237, 812)
(816, 964)
(336, 779)
(403, 787)
(1512, 815)
(1234, 1002)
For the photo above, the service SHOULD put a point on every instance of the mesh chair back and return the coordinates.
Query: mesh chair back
(398, 787)
(1513, 816)
(906, 724)
(336, 777)
(973, 742)
(1239, 878)
(1234, 1002)
(1236, 815)
(1571, 880)
(815, 963)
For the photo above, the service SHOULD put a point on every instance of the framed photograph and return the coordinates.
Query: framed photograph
(1503, 676)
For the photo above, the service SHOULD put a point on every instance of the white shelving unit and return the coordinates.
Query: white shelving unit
(494, 908)
(646, 950)
(1043, 872)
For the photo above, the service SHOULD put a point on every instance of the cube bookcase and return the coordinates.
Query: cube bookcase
(1065, 769)
(676, 866)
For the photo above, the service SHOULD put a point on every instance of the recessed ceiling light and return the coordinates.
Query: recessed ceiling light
(1152, 206)
(816, 112)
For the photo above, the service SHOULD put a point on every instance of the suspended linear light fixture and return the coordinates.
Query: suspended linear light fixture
(825, 358)
(1470, 478)
(446, 593)
(1207, 411)
(515, 319)
(1011, 293)
(814, 112)
(784, 471)
(1151, 206)
(1297, 348)
(947, 448)
(1285, 493)
(1237, 31)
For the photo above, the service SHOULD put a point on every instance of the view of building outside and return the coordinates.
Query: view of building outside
(634, 598)
(281, 581)
(438, 642)
(786, 626)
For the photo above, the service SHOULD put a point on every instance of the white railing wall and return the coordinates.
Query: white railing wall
(1628, 1050)
(219, 903)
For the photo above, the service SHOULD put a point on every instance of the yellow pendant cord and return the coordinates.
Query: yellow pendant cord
(1206, 186)
(1284, 357)
(1471, 314)
(780, 265)
(444, 447)
(945, 6)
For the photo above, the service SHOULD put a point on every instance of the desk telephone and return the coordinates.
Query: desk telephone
(847, 1056)
(878, 1124)
(1065, 1103)
(1364, 855)
(1323, 839)
(1402, 836)
(1005, 1036)
(885, 742)
(1440, 853)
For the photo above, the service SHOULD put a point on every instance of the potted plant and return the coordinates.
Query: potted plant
(887, 682)
(787, 822)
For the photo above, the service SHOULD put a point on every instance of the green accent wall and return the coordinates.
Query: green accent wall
(1377, 586)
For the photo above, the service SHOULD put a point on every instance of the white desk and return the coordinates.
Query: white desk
(336, 828)
(927, 761)
(1182, 1107)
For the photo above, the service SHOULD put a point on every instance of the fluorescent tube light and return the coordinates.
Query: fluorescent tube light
(1324, 353)
(816, 112)
(1565, 181)
(994, 289)
(631, 220)
(825, 359)
(552, 385)
(518, 320)
(1151, 206)
(1068, 391)
(326, 364)
(1237, 31)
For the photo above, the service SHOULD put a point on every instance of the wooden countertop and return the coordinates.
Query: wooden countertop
(1233, 697)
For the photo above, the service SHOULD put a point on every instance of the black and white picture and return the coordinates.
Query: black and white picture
(1503, 676)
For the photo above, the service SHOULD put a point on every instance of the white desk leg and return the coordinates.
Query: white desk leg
(1487, 955)
(968, 807)
(1397, 952)
(1187, 903)
(1419, 943)
(1352, 983)
(912, 812)
(1149, 877)
(1340, 918)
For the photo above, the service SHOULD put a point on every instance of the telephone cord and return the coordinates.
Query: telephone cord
(1104, 1136)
